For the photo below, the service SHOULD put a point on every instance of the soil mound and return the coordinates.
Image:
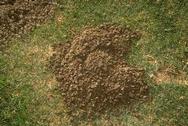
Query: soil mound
(92, 72)
(17, 17)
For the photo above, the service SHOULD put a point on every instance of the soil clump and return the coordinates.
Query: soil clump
(92, 70)
(18, 17)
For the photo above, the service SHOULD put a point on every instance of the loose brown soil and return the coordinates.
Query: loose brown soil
(17, 17)
(93, 73)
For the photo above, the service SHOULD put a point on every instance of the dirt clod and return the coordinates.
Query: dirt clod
(17, 17)
(92, 72)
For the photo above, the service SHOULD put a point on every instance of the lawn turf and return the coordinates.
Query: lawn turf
(28, 91)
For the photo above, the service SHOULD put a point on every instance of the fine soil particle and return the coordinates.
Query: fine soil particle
(92, 71)
(17, 17)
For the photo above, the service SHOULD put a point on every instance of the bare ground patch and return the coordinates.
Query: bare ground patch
(169, 75)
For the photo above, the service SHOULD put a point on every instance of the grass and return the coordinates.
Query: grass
(28, 94)
(14, 99)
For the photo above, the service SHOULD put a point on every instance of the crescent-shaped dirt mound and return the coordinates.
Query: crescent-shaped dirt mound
(17, 17)
(92, 70)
